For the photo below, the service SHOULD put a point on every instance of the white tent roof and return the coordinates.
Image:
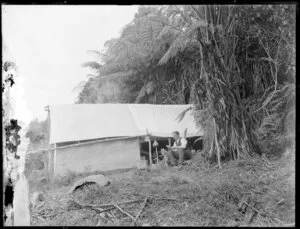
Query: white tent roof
(77, 122)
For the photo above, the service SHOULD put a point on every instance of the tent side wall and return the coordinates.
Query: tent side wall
(99, 156)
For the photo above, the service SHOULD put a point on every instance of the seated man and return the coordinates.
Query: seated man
(178, 150)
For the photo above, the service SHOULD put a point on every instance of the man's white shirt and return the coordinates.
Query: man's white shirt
(183, 143)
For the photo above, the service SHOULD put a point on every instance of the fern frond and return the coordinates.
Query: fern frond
(179, 44)
(98, 55)
(167, 31)
(79, 86)
(181, 41)
(110, 68)
(128, 29)
(171, 12)
(119, 46)
(269, 123)
(92, 64)
(91, 76)
(149, 28)
(148, 88)
(110, 42)
(181, 116)
(117, 75)
(146, 34)
(131, 33)
(141, 94)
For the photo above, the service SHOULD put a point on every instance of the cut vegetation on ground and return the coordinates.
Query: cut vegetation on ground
(256, 192)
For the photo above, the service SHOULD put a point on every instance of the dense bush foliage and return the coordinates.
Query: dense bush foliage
(38, 134)
(236, 64)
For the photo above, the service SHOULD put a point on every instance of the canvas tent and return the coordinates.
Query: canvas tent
(107, 136)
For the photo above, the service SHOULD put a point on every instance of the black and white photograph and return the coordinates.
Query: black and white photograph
(149, 115)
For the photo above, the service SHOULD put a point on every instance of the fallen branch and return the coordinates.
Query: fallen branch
(159, 198)
(130, 201)
(40, 218)
(275, 217)
(102, 218)
(264, 214)
(163, 210)
(99, 208)
(124, 212)
(107, 219)
(140, 212)
(102, 205)
(103, 210)
(99, 223)
(259, 212)
(49, 215)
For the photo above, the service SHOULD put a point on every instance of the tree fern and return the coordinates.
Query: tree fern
(182, 41)
(147, 89)
(175, 43)
(167, 31)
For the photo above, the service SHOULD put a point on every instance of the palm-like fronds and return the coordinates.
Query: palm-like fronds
(117, 75)
(79, 86)
(182, 41)
(233, 68)
(92, 64)
(96, 54)
(181, 116)
(167, 32)
(147, 89)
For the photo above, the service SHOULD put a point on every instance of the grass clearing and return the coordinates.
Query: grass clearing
(203, 197)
